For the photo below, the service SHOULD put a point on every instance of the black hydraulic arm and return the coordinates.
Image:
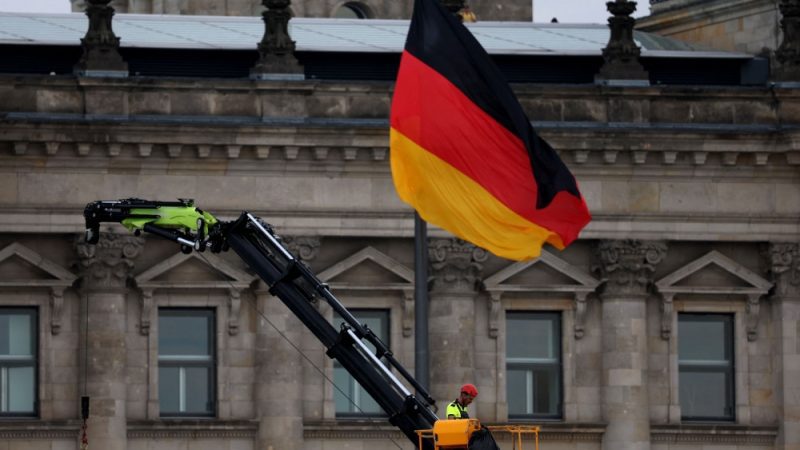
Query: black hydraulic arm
(378, 371)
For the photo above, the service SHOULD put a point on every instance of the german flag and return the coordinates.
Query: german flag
(464, 154)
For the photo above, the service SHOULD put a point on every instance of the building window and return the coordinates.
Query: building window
(353, 400)
(533, 365)
(705, 360)
(18, 351)
(186, 362)
(352, 10)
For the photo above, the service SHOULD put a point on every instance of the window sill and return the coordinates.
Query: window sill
(714, 434)
(192, 429)
(28, 429)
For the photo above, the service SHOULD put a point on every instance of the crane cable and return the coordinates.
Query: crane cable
(254, 306)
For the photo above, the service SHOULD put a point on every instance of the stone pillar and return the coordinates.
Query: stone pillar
(622, 66)
(279, 368)
(105, 269)
(627, 267)
(455, 269)
(276, 49)
(101, 56)
(788, 53)
(783, 267)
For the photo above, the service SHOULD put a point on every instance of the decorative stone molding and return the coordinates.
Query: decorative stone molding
(147, 311)
(235, 306)
(231, 279)
(304, 248)
(192, 429)
(621, 54)
(100, 45)
(398, 278)
(670, 286)
(583, 285)
(456, 265)
(276, 49)
(60, 280)
(783, 266)
(38, 430)
(714, 434)
(627, 266)
(107, 264)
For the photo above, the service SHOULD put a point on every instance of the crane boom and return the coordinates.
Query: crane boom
(290, 280)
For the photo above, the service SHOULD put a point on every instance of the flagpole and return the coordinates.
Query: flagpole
(421, 301)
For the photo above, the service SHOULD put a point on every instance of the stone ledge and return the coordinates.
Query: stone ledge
(192, 429)
(714, 434)
(14, 429)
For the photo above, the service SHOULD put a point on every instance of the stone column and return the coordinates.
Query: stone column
(627, 267)
(455, 269)
(783, 267)
(105, 269)
(279, 368)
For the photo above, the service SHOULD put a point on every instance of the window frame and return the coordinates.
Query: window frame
(557, 318)
(729, 370)
(386, 319)
(183, 362)
(33, 312)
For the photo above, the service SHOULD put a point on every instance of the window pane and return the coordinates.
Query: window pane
(343, 381)
(21, 385)
(185, 333)
(169, 390)
(702, 340)
(530, 337)
(15, 334)
(518, 392)
(704, 395)
(367, 404)
(198, 380)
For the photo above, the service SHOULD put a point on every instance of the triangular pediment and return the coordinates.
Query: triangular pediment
(547, 273)
(713, 273)
(22, 266)
(194, 270)
(368, 268)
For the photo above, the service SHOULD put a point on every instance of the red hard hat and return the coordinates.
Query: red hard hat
(470, 389)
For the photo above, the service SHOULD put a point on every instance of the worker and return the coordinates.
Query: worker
(458, 409)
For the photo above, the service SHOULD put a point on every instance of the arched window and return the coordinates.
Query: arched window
(352, 10)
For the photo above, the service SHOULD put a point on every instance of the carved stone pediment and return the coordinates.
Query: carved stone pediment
(372, 270)
(547, 273)
(45, 274)
(713, 274)
(193, 271)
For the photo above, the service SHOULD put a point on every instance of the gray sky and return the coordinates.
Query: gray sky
(567, 11)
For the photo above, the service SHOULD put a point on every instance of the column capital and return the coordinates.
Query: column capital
(783, 267)
(456, 265)
(305, 248)
(107, 265)
(627, 266)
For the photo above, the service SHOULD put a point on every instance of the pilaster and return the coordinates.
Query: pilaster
(456, 267)
(279, 384)
(627, 267)
(105, 268)
(783, 267)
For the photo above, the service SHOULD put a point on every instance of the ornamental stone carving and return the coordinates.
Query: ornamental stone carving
(100, 45)
(304, 248)
(788, 53)
(627, 266)
(621, 54)
(276, 49)
(783, 267)
(107, 264)
(456, 265)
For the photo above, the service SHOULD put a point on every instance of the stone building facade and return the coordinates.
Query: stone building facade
(672, 323)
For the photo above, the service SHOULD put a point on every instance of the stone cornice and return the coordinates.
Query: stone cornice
(35, 430)
(714, 434)
(192, 429)
(686, 15)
